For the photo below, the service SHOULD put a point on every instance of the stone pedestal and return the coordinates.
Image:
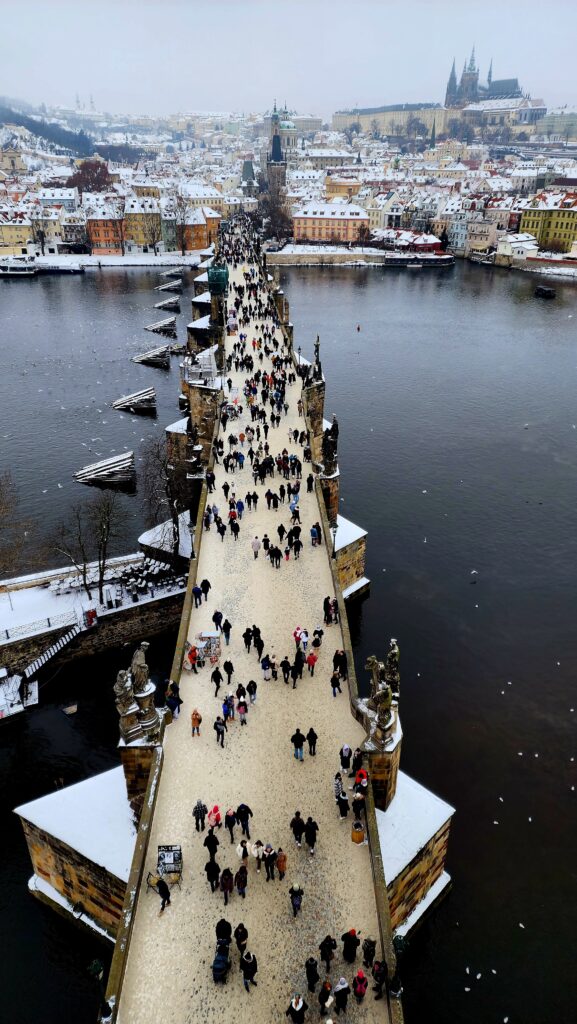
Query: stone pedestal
(384, 753)
(129, 722)
(314, 401)
(204, 409)
(330, 489)
(147, 713)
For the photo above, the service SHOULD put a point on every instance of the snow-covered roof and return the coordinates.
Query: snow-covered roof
(333, 211)
(413, 817)
(347, 533)
(93, 817)
(160, 536)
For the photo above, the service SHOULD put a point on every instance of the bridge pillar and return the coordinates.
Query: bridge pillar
(314, 400)
(384, 764)
(330, 489)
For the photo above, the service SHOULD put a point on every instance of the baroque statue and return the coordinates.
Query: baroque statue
(139, 668)
(392, 674)
(381, 697)
(123, 692)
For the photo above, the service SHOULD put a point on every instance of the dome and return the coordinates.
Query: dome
(288, 125)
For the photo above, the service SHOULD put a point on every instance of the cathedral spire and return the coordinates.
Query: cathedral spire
(472, 61)
(490, 75)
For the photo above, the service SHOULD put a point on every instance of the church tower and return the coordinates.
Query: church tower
(276, 162)
(469, 84)
(451, 93)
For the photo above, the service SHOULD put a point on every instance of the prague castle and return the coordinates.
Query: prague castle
(471, 90)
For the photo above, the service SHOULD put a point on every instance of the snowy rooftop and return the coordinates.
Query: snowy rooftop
(92, 817)
(347, 533)
(410, 821)
(160, 536)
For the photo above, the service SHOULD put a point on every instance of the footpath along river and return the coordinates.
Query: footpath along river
(458, 453)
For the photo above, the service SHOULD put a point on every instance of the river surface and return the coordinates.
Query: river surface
(457, 405)
(458, 453)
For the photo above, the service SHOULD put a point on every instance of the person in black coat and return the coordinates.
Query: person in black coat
(211, 842)
(327, 950)
(243, 815)
(351, 943)
(223, 931)
(311, 829)
(312, 741)
(312, 972)
(164, 893)
(240, 937)
(248, 967)
(297, 1009)
(212, 874)
(341, 993)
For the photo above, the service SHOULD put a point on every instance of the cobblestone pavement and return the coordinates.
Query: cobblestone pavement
(168, 975)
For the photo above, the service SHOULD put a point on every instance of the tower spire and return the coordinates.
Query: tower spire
(490, 75)
(472, 60)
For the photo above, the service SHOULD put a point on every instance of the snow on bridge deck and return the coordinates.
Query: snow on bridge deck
(168, 971)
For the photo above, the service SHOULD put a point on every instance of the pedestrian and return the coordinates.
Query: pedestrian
(273, 665)
(164, 893)
(216, 678)
(285, 667)
(327, 611)
(345, 754)
(312, 741)
(215, 817)
(229, 669)
(256, 546)
(241, 937)
(297, 1009)
(240, 692)
(297, 740)
(334, 610)
(312, 973)
(312, 659)
(341, 993)
(243, 816)
(327, 950)
(266, 670)
(313, 536)
(310, 483)
(258, 853)
(325, 996)
(242, 709)
(199, 812)
(395, 986)
(281, 861)
(217, 619)
(335, 683)
(357, 762)
(212, 874)
(223, 931)
(173, 699)
(297, 827)
(248, 967)
(195, 721)
(342, 665)
(380, 973)
(358, 811)
(351, 943)
(241, 881)
(230, 822)
(226, 628)
(220, 729)
(296, 894)
(311, 830)
(197, 594)
(226, 884)
(192, 657)
(251, 689)
(343, 805)
(258, 645)
(242, 851)
(338, 786)
(212, 844)
(369, 948)
(269, 857)
(205, 587)
(247, 637)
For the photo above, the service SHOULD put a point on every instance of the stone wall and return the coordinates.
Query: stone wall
(412, 885)
(314, 403)
(126, 625)
(204, 410)
(384, 769)
(330, 490)
(351, 562)
(76, 878)
(136, 763)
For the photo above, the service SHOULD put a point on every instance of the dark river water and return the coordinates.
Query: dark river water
(458, 452)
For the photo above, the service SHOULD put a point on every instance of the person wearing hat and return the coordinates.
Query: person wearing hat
(351, 943)
(341, 992)
(297, 1009)
(296, 897)
(325, 996)
(360, 985)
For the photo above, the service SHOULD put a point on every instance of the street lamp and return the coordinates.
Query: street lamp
(299, 352)
(334, 528)
(191, 527)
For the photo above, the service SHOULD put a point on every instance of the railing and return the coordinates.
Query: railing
(28, 628)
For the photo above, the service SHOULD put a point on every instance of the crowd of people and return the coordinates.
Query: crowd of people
(235, 861)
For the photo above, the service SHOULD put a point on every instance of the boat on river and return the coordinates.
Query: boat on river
(18, 266)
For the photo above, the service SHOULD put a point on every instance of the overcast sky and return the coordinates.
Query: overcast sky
(162, 56)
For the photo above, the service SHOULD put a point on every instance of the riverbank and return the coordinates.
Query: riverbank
(295, 255)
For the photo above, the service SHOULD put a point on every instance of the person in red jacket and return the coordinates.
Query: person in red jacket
(360, 985)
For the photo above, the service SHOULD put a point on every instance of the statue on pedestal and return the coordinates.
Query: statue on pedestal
(392, 674)
(127, 707)
(381, 697)
(139, 668)
(329, 449)
(123, 692)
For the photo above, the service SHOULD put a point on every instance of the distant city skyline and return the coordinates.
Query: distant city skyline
(144, 56)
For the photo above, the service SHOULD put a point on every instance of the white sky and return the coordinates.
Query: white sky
(162, 56)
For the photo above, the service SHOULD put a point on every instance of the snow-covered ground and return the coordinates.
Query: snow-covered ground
(172, 259)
